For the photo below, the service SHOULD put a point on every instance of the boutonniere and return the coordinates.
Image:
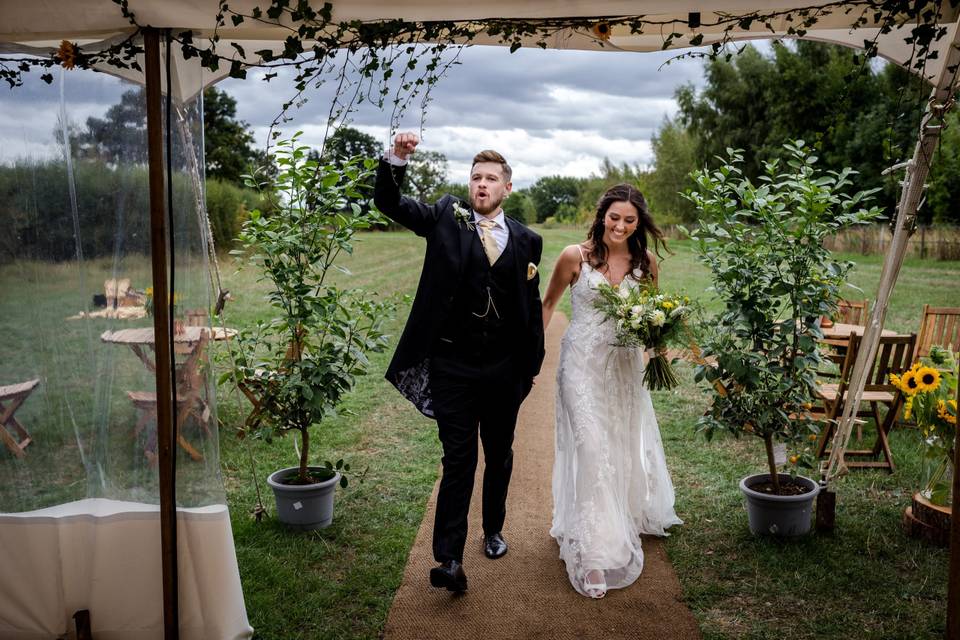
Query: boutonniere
(531, 270)
(463, 216)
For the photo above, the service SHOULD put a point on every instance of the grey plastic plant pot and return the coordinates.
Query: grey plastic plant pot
(780, 516)
(303, 506)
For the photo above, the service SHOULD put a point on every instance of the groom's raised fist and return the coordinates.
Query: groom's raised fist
(405, 144)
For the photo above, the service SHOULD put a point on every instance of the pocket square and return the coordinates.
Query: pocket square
(531, 270)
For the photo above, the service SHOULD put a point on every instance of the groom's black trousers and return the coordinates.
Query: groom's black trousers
(467, 400)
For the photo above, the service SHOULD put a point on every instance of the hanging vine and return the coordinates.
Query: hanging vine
(396, 61)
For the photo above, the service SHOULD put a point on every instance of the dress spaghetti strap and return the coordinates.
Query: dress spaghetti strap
(580, 249)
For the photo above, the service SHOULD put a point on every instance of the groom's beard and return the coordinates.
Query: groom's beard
(487, 208)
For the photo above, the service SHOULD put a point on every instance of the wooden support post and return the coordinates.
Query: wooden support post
(166, 451)
(953, 577)
(82, 624)
(826, 509)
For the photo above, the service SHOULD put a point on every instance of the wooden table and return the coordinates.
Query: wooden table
(190, 378)
(183, 342)
(839, 333)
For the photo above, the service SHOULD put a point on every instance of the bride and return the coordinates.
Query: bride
(610, 478)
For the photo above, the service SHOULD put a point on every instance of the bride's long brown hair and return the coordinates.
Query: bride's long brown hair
(637, 242)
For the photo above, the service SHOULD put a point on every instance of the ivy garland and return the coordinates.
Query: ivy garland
(367, 58)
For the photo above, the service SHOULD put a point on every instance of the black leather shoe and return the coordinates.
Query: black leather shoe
(494, 546)
(450, 576)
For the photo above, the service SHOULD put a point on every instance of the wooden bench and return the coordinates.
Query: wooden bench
(13, 434)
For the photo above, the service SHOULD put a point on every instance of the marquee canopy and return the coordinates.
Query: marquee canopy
(38, 27)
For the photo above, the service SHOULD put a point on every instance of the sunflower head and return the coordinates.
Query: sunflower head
(947, 411)
(67, 54)
(602, 30)
(909, 383)
(928, 379)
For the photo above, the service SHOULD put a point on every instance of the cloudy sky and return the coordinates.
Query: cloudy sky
(549, 112)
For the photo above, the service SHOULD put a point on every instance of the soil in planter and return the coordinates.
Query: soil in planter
(313, 477)
(787, 488)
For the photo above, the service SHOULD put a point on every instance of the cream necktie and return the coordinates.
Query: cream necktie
(486, 238)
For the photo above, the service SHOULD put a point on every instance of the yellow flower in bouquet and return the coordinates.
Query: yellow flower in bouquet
(645, 317)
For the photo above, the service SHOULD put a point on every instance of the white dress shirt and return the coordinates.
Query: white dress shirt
(394, 159)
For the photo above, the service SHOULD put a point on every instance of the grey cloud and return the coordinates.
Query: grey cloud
(551, 109)
(491, 86)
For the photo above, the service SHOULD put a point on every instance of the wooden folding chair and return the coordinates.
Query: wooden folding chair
(191, 383)
(894, 355)
(852, 312)
(939, 326)
(13, 434)
(256, 390)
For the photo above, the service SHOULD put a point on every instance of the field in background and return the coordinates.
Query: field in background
(866, 578)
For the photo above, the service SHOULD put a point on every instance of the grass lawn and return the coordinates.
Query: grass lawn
(866, 578)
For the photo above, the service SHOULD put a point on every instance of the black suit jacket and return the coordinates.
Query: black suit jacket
(448, 247)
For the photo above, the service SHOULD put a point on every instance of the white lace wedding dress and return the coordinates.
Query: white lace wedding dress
(610, 478)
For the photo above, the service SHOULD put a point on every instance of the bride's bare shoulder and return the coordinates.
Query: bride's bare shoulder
(572, 254)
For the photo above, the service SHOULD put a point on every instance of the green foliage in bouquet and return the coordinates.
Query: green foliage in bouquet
(646, 317)
(764, 246)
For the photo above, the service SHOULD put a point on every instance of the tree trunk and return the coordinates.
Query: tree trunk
(304, 454)
(774, 476)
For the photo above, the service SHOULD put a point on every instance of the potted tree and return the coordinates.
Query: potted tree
(297, 365)
(764, 245)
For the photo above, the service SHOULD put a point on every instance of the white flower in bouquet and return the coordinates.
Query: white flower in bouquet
(645, 317)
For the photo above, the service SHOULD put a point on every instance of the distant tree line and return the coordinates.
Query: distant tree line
(853, 113)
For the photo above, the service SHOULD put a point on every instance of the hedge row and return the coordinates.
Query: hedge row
(112, 210)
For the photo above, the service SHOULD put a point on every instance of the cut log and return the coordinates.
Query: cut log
(916, 529)
(931, 514)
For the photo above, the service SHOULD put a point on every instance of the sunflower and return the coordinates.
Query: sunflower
(909, 383)
(67, 54)
(944, 411)
(928, 379)
(602, 30)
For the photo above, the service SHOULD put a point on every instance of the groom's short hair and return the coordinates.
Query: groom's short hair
(489, 155)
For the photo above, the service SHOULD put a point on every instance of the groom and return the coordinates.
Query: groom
(472, 344)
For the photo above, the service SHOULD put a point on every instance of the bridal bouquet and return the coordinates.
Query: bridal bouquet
(646, 317)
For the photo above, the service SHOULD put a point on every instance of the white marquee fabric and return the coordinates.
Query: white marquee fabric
(39, 26)
(102, 555)
(80, 525)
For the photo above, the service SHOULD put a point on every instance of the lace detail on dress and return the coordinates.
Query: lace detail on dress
(610, 479)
